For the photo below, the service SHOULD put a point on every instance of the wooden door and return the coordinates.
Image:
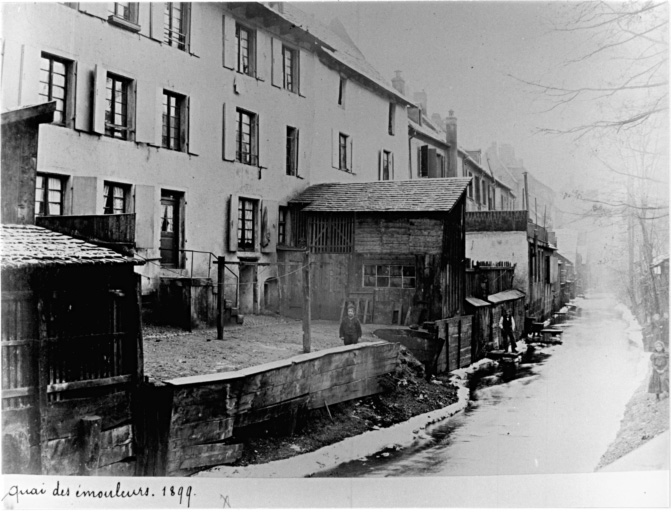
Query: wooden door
(169, 230)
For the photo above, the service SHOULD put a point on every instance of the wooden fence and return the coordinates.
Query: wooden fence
(189, 422)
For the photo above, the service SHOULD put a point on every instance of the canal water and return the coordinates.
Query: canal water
(559, 416)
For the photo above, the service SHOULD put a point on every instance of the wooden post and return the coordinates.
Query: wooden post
(42, 382)
(90, 444)
(221, 268)
(307, 314)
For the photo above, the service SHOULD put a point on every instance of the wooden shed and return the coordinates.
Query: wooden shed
(71, 355)
(394, 248)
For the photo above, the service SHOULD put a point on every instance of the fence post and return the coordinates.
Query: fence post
(221, 268)
(90, 444)
(307, 314)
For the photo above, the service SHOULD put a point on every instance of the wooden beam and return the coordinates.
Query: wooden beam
(90, 443)
(93, 383)
(307, 313)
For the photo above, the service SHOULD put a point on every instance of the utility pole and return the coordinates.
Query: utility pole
(221, 303)
(307, 314)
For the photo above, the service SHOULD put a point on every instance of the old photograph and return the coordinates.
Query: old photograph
(375, 247)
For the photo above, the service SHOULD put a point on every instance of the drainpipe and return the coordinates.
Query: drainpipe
(451, 139)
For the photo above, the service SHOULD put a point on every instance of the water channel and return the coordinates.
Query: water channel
(559, 416)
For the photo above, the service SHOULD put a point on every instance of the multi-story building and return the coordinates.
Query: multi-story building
(202, 119)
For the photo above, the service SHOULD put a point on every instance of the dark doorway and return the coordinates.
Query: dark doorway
(170, 228)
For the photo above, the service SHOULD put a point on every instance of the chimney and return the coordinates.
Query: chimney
(451, 139)
(437, 120)
(423, 101)
(398, 83)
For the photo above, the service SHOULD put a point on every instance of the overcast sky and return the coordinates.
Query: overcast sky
(461, 54)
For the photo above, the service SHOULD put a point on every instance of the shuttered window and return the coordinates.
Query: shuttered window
(49, 191)
(176, 19)
(54, 85)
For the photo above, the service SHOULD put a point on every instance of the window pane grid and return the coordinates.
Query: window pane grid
(246, 222)
(289, 68)
(48, 195)
(53, 85)
(116, 114)
(389, 276)
(343, 152)
(171, 136)
(114, 199)
(245, 147)
(174, 33)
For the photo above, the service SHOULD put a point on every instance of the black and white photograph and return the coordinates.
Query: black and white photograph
(335, 254)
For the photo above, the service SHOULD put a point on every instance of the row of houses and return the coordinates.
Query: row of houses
(221, 164)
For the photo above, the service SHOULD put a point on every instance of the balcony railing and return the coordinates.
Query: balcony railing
(115, 231)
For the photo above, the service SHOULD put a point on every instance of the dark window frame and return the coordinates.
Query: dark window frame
(290, 69)
(178, 102)
(247, 51)
(392, 118)
(246, 152)
(53, 60)
(119, 191)
(386, 165)
(382, 275)
(341, 91)
(124, 130)
(343, 143)
(292, 141)
(176, 36)
(282, 217)
(42, 205)
(247, 229)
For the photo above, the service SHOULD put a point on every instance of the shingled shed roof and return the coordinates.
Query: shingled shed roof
(421, 195)
(26, 245)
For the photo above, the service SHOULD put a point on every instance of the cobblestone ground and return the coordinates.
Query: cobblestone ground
(170, 353)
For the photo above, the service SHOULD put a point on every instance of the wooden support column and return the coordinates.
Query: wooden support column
(90, 444)
(42, 382)
(221, 269)
(307, 314)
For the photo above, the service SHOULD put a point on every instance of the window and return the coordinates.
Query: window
(341, 91)
(246, 138)
(245, 50)
(392, 118)
(290, 67)
(176, 23)
(54, 85)
(342, 152)
(49, 192)
(282, 225)
(548, 277)
(117, 120)
(440, 162)
(246, 224)
(477, 189)
(470, 185)
(292, 151)
(388, 276)
(174, 114)
(483, 195)
(124, 15)
(386, 165)
(115, 198)
(172, 204)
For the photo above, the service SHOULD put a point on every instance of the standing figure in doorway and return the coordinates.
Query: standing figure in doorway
(350, 328)
(507, 326)
(659, 367)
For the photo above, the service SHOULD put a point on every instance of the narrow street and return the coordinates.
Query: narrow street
(557, 418)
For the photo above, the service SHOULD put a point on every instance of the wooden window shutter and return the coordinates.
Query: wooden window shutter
(82, 105)
(144, 18)
(197, 27)
(302, 72)
(261, 143)
(145, 127)
(379, 165)
(262, 55)
(335, 148)
(350, 154)
(99, 99)
(30, 75)
(228, 41)
(277, 63)
(432, 163)
(233, 223)
(392, 166)
(195, 124)
(296, 153)
(96, 8)
(228, 135)
(423, 160)
(157, 23)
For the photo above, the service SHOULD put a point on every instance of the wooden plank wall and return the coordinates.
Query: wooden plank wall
(397, 233)
(206, 410)
(458, 333)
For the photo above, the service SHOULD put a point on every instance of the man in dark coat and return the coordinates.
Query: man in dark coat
(507, 326)
(350, 328)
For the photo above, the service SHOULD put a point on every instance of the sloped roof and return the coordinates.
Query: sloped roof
(505, 296)
(478, 303)
(339, 46)
(420, 195)
(27, 245)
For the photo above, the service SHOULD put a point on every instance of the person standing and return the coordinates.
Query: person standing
(507, 326)
(659, 367)
(350, 328)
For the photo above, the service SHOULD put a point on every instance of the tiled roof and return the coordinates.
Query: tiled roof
(420, 195)
(27, 245)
